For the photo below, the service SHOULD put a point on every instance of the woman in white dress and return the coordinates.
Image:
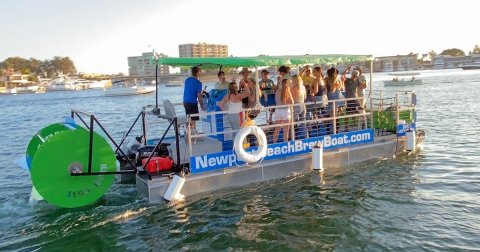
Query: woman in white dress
(232, 102)
(283, 115)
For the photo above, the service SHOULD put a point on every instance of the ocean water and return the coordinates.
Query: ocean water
(425, 201)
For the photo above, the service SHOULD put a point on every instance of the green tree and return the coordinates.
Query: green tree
(453, 52)
(33, 67)
(476, 50)
(63, 65)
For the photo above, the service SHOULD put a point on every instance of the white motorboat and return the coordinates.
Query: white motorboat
(174, 84)
(21, 90)
(473, 66)
(100, 84)
(125, 91)
(60, 86)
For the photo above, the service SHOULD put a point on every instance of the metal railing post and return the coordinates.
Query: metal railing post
(90, 147)
(292, 123)
(177, 140)
(189, 134)
(334, 117)
(397, 108)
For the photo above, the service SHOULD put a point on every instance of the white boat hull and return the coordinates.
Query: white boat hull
(21, 90)
(383, 147)
(471, 67)
(126, 91)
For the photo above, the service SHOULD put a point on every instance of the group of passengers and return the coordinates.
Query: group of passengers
(306, 87)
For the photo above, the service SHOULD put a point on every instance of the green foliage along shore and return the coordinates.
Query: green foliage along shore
(47, 68)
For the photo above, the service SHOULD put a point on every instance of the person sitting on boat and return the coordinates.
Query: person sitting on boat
(266, 84)
(222, 82)
(361, 88)
(282, 115)
(232, 102)
(351, 90)
(192, 96)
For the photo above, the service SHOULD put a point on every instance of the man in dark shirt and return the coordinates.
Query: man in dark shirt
(351, 87)
(192, 96)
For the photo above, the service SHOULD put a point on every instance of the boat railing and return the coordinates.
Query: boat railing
(310, 119)
(382, 112)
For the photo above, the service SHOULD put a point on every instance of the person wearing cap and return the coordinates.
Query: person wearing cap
(192, 96)
(222, 82)
(351, 89)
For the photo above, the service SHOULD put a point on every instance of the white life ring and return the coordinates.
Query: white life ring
(256, 155)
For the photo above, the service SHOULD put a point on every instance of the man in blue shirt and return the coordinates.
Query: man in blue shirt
(192, 95)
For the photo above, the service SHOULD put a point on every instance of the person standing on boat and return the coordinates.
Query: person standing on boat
(363, 85)
(351, 89)
(232, 102)
(307, 78)
(299, 110)
(266, 84)
(245, 81)
(318, 91)
(222, 82)
(283, 73)
(192, 96)
(282, 115)
(334, 92)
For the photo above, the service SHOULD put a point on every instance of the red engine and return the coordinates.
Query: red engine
(158, 164)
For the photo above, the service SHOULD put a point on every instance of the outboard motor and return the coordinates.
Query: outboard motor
(132, 147)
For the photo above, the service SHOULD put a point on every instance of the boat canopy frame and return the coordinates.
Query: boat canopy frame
(260, 61)
(263, 61)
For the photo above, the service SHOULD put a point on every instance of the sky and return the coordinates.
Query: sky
(99, 35)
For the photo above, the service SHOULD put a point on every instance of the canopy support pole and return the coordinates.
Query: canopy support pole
(257, 88)
(370, 95)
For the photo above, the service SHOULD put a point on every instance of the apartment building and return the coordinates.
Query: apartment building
(395, 63)
(144, 65)
(202, 50)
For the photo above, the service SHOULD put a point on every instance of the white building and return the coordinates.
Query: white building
(145, 66)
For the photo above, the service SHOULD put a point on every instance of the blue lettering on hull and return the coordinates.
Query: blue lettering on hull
(226, 159)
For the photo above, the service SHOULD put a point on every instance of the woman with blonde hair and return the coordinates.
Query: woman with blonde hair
(298, 94)
(282, 115)
(334, 88)
(232, 102)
